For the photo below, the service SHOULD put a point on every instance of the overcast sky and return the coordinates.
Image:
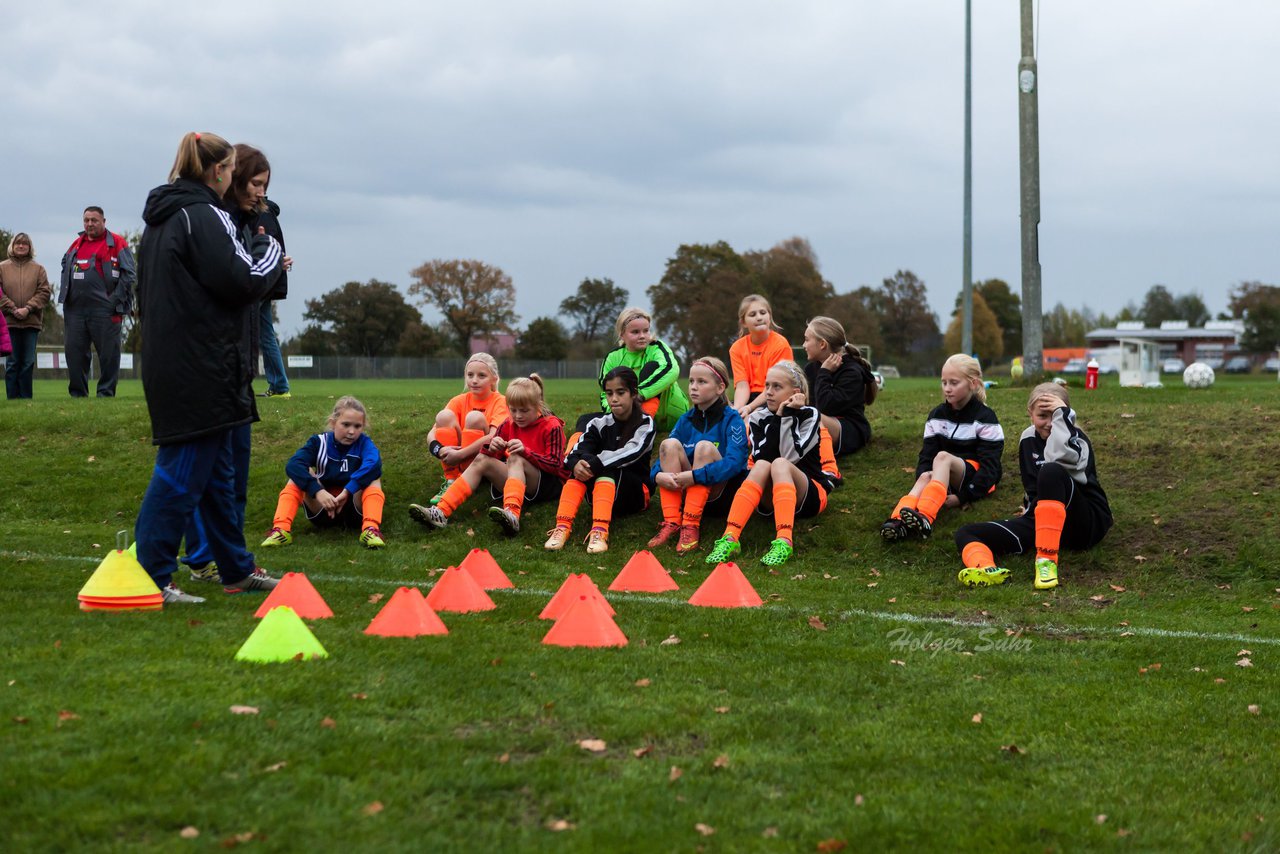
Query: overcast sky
(566, 139)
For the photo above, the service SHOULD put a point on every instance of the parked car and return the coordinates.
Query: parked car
(1075, 366)
(1272, 364)
(1172, 366)
(1214, 362)
(1238, 365)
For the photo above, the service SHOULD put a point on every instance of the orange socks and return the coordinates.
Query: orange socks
(904, 501)
(695, 500)
(513, 495)
(670, 505)
(827, 453)
(784, 511)
(372, 500)
(458, 492)
(602, 503)
(1050, 517)
(570, 499)
(931, 500)
(978, 555)
(744, 504)
(287, 507)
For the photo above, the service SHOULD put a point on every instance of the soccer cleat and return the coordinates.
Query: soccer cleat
(725, 548)
(258, 580)
(1046, 573)
(983, 576)
(371, 538)
(172, 595)
(893, 530)
(283, 395)
(780, 552)
(915, 523)
(276, 537)
(508, 521)
(444, 487)
(688, 539)
(432, 517)
(666, 531)
(597, 541)
(208, 572)
(556, 538)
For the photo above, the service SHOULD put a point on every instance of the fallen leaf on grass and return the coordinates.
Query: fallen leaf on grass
(359, 696)
(93, 459)
(375, 598)
(1139, 558)
(829, 846)
(977, 719)
(65, 715)
(18, 719)
(1100, 819)
(504, 759)
(1012, 749)
(874, 572)
(897, 662)
(642, 752)
(816, 623)
(1149, 667)
(1223, 586)
(1098, 598)
(1244, 662)
(1124, 831)
(471, 532)
(704, 829)
(643, 683)
(722, 710)
(1254, 709)
(1127, 415)
(1244, 652)
(675, 773)
(1116, 587)
(329, 723)
(769, 833)
(670, 641)
(189, 832)
(799, 577)
(858, 800)
(1126, 634)
(244, 710)
(373, 808)
(894, 599)
(595, 745)
(722, 761)
(271, 769)
(1246, 609)
(559, 824)
(873, 583)
(1219, 681)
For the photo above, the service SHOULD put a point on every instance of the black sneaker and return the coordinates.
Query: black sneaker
(893, 530)
(915, 523)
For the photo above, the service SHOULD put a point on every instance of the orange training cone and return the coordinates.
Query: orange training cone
(120, 584)
(726, 587)
(644, 574)
(296, 591)
(585, 623)
(406, 615)
(458, 592)
(485, 570)
(572, 587)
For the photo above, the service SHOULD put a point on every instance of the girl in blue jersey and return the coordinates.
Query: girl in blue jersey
(704, 460)
(336, 475)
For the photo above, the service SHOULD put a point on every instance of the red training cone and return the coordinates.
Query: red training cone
(644, 574)
(458, 592)
(485, 570)
(585, 623)
(406, 615)
(295, 590)
(726, 587)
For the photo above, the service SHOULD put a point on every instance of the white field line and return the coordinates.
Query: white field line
(882, 616)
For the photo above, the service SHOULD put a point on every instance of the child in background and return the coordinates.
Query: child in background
(1063, 501)
(840, 384)
(654, 364)
(337, 477)
(611, 458)
(752, 355)
(704, 460)
(960, 458)
(524, 459)
(785, 453)
(468, 421)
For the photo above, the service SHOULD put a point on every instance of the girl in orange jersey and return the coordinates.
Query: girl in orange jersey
(468, 421)
(752, 355)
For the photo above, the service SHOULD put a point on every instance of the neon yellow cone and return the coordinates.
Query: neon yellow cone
(281, 636)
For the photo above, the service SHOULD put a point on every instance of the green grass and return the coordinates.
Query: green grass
(471, 740)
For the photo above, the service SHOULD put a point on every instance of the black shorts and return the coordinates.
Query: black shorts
(347, 517)
(631, 496)
(815, 501)
(549, 487)
(851, 438)
(718, 507)
(970, 472)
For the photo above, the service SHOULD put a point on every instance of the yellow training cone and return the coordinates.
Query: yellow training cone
(281, 636)
(120, 583)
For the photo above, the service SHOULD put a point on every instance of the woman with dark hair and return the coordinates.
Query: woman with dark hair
(201, 281)
(24, 292)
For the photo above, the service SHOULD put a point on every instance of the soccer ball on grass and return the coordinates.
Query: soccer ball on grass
(1197, 375)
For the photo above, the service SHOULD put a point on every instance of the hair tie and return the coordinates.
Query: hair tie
(197, 133)
(713, 370)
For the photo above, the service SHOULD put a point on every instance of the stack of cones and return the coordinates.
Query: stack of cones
(406, 615)
(297, 592)
(120, 584)
(644, 574)
(485, 570)
(458, 592)
(573, 587)
(585, 622)
(281, 636)
(726, 587)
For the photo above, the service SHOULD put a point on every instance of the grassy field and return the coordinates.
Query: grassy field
(871, 701)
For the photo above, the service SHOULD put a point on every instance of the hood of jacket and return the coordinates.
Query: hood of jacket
(167, 199)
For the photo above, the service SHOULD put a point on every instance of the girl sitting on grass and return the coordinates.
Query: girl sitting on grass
(840, 382)
(1063, 502)
(610, 459)
(654, 364)
(960, 458)
(704, 460)
(467, 421)
(752, 355)
(524, 459)
(785, 455)
(336, 476)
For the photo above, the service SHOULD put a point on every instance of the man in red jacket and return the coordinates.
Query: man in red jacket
(96, 293)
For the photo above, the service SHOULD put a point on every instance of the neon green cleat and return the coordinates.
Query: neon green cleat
(1046, 573)
(780, 552)
(371, 538)
(983, 576)
(276, 537)
(444, 487)
(208, 572)
(724, 548)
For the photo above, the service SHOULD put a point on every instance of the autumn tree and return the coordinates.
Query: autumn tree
(1191, 308)
(471, 295)
(419, 340)
(695, 304)
(1006, 305)
(988, 342)
(593, 308)
(907, 324)
(544, 339)
(364, 319)
(1063, 327)
(1258, 305)
(788, 276)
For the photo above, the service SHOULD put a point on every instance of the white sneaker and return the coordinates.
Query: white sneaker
(258, 580)
(172, 595)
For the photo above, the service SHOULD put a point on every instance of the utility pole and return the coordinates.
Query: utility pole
(966, 334)
(1029, 158)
